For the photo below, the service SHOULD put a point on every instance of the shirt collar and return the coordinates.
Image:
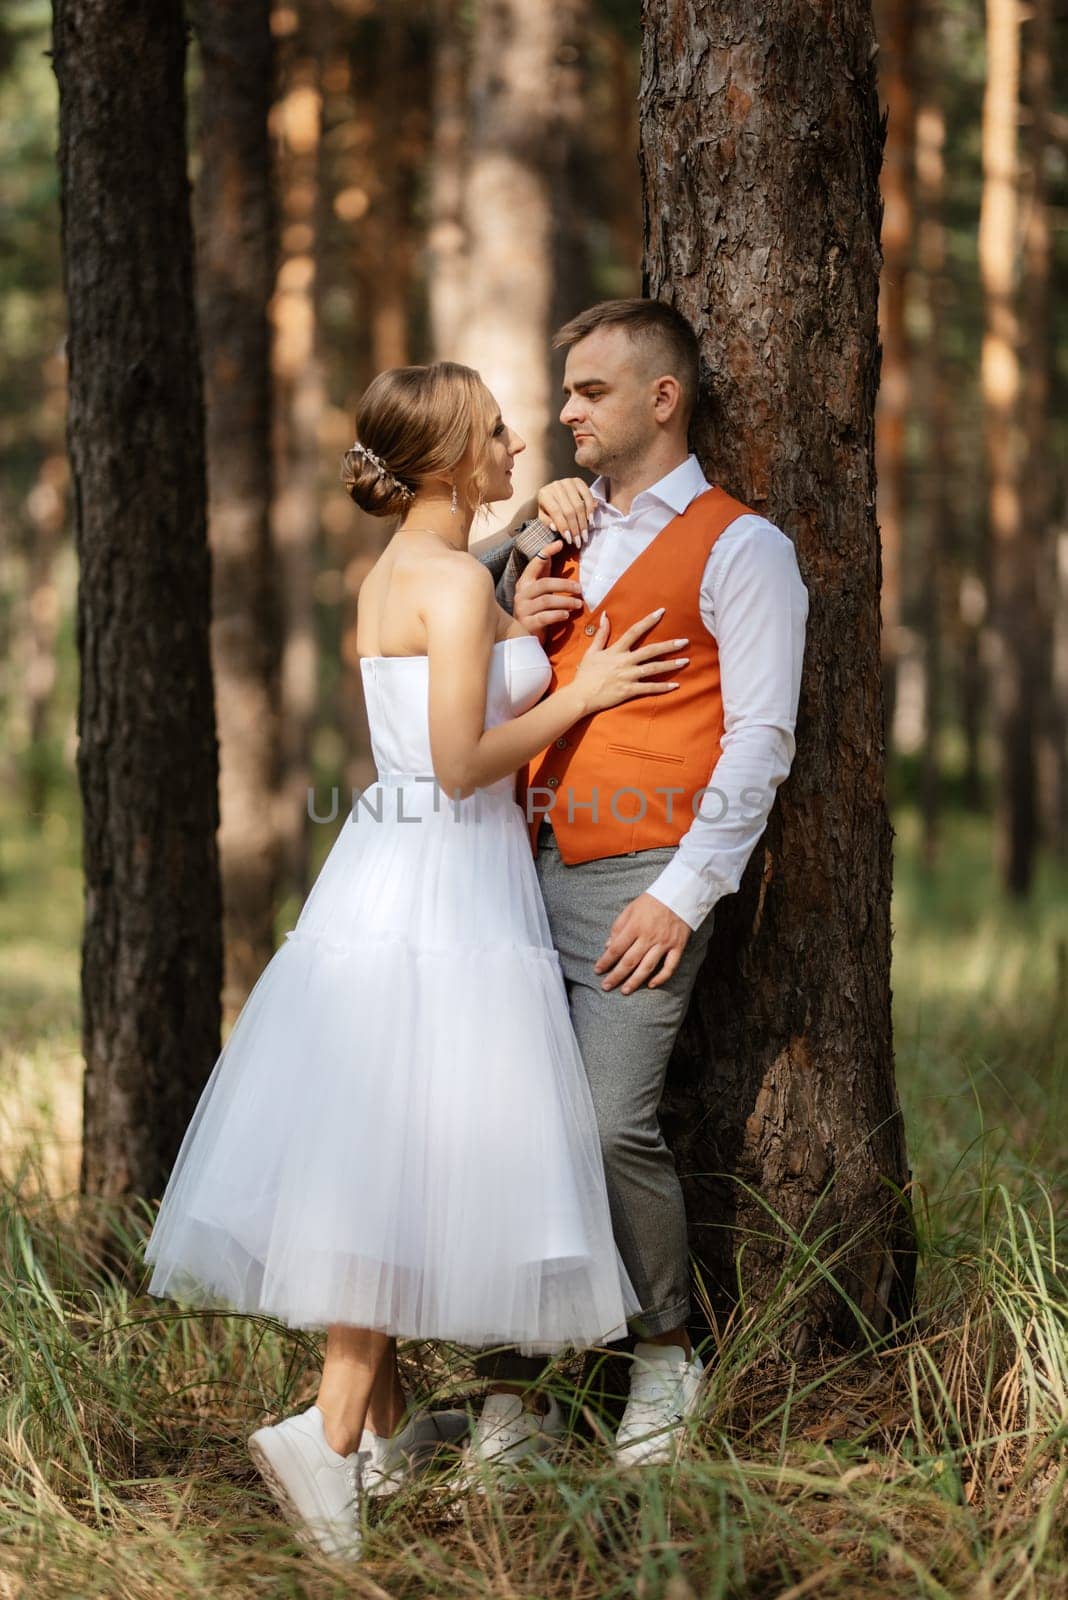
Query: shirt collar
(675, 489)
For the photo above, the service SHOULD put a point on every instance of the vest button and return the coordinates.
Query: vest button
(590, 628)
(553, 782)
(561, 744)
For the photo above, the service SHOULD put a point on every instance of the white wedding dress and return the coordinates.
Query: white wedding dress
(398, 1133)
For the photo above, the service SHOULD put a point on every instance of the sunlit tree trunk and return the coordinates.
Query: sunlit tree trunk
(508, 217)
(896, 21)
(296, 123)
(152, 945)
(1012, 552)
(783, 1091)
(234, 214)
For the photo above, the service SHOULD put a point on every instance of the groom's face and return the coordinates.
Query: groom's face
(609, 400)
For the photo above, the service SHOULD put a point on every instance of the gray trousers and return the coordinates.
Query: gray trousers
(626, 1042)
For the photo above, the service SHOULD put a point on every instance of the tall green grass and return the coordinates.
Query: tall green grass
(934, 1465)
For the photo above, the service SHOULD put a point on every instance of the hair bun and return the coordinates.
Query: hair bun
(371, 484)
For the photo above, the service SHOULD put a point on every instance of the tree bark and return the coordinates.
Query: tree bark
(760, 157)
(147, 756)
(234, 211)
(1012, 553)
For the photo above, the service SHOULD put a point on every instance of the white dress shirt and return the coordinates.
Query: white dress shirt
(755, 605)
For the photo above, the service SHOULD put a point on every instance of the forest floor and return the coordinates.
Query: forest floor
(934, 1467)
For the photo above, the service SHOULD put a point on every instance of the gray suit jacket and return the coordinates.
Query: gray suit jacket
(509, 556)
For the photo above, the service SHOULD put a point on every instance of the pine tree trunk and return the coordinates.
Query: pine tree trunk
(938, 512)
(897, 30)
(508, 220)
(760, 155)
(296, 123)
(147, 757)
(1039, 483)
(46, 505)
(1012, 554)
(235, 269)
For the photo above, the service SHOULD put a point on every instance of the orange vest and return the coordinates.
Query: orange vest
(627, 778)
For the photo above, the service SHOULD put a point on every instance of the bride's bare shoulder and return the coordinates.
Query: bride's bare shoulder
(452, 578)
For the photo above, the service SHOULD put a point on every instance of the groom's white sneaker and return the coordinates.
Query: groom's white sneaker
(506, 1431)
(397, 1458)
(319, 1492)
(665, 1389)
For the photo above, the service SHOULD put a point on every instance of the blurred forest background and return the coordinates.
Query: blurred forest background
(445, 178)
(404, 235)
(454, 178)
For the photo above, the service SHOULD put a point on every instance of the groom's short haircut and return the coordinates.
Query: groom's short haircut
(653, 323)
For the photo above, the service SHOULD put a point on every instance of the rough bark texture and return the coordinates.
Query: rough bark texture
(508, 220)
(1012, 552)
(760, 154)
(147, 755)
(234, 212)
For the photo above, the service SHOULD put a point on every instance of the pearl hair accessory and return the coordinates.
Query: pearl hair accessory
(358, 449)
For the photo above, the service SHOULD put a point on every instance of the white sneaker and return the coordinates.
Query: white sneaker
(319, 1491)
(396, 1459)
(665, 1389)
(506, 1431)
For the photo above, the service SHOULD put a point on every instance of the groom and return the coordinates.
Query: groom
(645, 814)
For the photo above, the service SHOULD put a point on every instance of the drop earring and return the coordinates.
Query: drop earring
(452, 503)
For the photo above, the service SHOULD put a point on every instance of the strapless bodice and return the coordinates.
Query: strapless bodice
(396, 692)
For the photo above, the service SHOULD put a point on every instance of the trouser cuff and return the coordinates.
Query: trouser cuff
(509, 1366)
(646, 1323)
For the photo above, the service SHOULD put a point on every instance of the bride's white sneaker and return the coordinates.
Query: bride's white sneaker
(396, 1459)
(665, 1389)
(319, 1492)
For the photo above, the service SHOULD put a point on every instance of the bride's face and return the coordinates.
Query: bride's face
(504, 445)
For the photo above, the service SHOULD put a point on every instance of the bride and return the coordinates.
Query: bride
(398, 1137)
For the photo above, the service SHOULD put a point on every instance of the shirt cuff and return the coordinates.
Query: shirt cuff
(683, 892)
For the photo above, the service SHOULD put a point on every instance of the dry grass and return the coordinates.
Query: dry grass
(935, 1466)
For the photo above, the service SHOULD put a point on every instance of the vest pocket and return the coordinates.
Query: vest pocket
(645, 755)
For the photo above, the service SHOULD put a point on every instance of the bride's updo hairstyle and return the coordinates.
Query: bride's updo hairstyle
(417, 423)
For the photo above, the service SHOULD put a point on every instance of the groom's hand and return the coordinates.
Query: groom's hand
(644, 935)
(540, 599)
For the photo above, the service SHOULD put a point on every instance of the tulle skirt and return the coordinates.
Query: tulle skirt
(398, 1133)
